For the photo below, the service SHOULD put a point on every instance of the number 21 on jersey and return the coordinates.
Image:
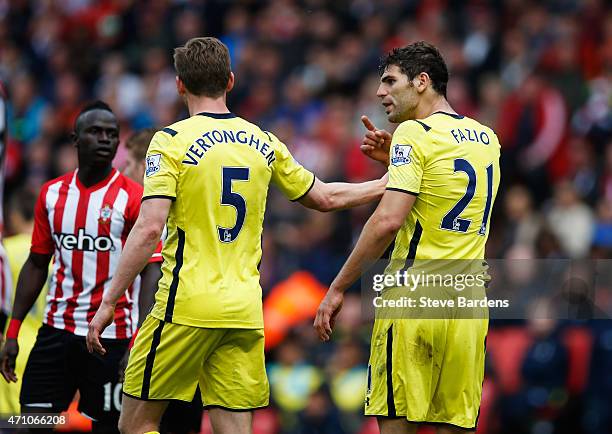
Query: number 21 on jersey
(452, 220)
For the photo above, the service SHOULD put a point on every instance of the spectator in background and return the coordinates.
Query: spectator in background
(545, 367)
(548, 245)
(120, 88)
(602, 234)
(292, 378)
(583, 173)
(491, 95)
(237, 31)
(26, 110)
(38, 156)
(561, 61)
(571, 221)
(532, 133)
(523, 222)
(68, 100)
(347, 372)
(518, 279)
(161, 103)
(544, 372)
(597, 416)
(605, 181)
(319, 416)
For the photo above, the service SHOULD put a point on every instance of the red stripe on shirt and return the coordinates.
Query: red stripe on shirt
(103, 258)
(58, 216)
(77, 262)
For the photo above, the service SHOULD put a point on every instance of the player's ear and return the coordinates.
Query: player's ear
(230, 82)
(180, 86)
(421, 82)
(74, 138)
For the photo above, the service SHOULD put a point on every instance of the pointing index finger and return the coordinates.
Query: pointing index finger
(368, 123)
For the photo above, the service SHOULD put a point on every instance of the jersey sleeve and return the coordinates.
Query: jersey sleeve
(42, 240)
(407, 159)
(287, 174)
(162, 168)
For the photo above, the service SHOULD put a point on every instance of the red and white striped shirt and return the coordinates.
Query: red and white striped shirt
(86, 228)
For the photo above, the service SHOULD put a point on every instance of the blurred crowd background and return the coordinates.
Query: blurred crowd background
(538, 72)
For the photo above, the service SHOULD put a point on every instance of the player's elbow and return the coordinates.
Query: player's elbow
(149, 232)
(153, 233)
(387, 224)
(327, 203)
(330, 198)
(320, 198)
(150, 227)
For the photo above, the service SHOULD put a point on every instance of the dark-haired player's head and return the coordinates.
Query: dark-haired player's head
(21, 214)
(409, 75)
(203, 68)
(137, 146)
(96, 135)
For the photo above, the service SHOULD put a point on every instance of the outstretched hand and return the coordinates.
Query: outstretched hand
(376, 143)
(326, 314)
(102, 319)
(8, 359)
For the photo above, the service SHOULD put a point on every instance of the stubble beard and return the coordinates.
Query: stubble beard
(398, 116)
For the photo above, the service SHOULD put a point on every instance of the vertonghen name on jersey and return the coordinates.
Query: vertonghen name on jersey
(83, 241)
(202, 144)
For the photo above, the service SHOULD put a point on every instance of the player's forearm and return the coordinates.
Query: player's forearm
(139, 247)
(341, 195)
(30, 283)
(375, 238)
(150, 276)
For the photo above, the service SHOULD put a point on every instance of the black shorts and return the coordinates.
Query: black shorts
(183, 417)
(60, 364)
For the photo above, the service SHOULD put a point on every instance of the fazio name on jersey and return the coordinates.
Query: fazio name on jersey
(83, 241)
(470, 136)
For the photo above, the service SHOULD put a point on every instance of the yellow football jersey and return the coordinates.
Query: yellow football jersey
(17, 249)
(451, 163)
(216, 168)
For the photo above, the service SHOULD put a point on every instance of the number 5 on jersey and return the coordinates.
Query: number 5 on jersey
(231, 198)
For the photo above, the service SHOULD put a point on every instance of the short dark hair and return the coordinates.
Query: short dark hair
(95, 105)
(203, 64)
(416, 58)
(138, 143)
(23, 201)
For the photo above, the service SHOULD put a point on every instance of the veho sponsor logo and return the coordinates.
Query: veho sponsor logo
(83, 241)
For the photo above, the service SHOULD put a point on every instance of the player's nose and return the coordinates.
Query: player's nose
(104, 137)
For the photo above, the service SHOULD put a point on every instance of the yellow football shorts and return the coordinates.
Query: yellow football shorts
(427, 370)
(168, 361)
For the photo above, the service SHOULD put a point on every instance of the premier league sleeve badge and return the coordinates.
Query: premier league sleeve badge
(400, 154)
